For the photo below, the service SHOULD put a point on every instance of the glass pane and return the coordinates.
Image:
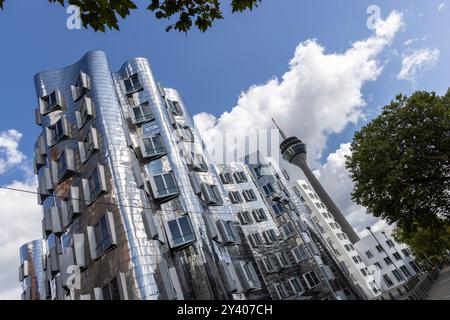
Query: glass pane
(170, 183)
(106, 293)
(114, 287)
(160, 186)
(186, 229)
(138, 114)
(175, 232)
(157, 142)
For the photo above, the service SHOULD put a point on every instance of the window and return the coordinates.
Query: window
(299, 253)
(240, 176)
(181, 232)
(85, 113)
(355, 259)
(64, 166)
(249, 195)
(281, 290)
(363, 271)
(88, 145)
(196, 162)
(311, 279)
(269, 264)
(229, 232)
(226, 178)
(259, 214)
(379, 248)
(347, 247)
(103, 235)
(165, 185)
(390, 243)
(388, 261)
(285, 174)
(414, 266)
(405, 271)
(397, 275)
(288, 230)
(249, 276)
(132, 84)
(257, 171)
(296, 191)
(369, 254)
(94, 185)
(283, 259)
(387, 280)
(278, 208)
(153, 147)
(270, 236)
(406, 252)
(212, 195)
(245, 217)
(141, 113)
(397, 256)
(296, 286)
(57, 131)
(235, 197)
(174, 107)
(51, 102)
(81, 86)
(268, 189)
(111, 290)
(185, 134)
(378, 265)
(255, 240)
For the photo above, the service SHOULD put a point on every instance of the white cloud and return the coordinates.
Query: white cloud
(442, 6)
(319, 95)
(336, 180)
(416, 62)
(9, 153)
(20, 222)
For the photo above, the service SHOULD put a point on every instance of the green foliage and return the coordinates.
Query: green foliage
(401, 168)
(102, 14)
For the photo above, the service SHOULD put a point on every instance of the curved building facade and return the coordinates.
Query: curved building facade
(32, 271)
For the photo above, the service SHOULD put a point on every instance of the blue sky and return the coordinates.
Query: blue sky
(211, 70)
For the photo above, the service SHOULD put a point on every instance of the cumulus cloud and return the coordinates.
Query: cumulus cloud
(442, 6)
(336, 179)
(9, 152)
(319, 95)
(417, 61)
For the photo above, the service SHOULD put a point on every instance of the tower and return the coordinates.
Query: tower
(293, 150)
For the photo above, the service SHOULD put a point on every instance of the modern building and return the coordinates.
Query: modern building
(393, 262)
(32, 271)
(337, 240)
(133, 208)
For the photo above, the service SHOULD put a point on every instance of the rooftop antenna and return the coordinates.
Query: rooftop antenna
(283, 135)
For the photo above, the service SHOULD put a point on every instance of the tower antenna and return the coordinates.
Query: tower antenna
(283, 135)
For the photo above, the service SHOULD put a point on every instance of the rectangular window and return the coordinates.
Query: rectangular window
(397, 275)
(299, 253)
(379, 248)
(406, 252)
(174, 107)
(311, 279)
(388, 261)
(283, 259)
(245, 217)
(297, 192)
(270, 236)
(281, 290)
(278, 208)
(378, 265)
(268, 189)
(257, 171)
(296, 286)
(103, 235)
(355, 259)
(387, 280)
(255, 240)
(132, 84)
(181, 232)
(269, 264)
(235, 197)
(226, 178)
(414, 266)
(397, 256)
(57, 131)
(141, 113)
(94, 182)
(111, 290)
(165, 185)
(390, 243)
(405, 271)
(212, 195)
(259, 214)
(288, 230)
(153, 147)
(185, 133)
(85, 112)
(240, 177)
(249, 195)
(369, 254)
(363, 271)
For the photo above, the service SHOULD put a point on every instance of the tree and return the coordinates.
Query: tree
(100, 14)
(401, 169)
